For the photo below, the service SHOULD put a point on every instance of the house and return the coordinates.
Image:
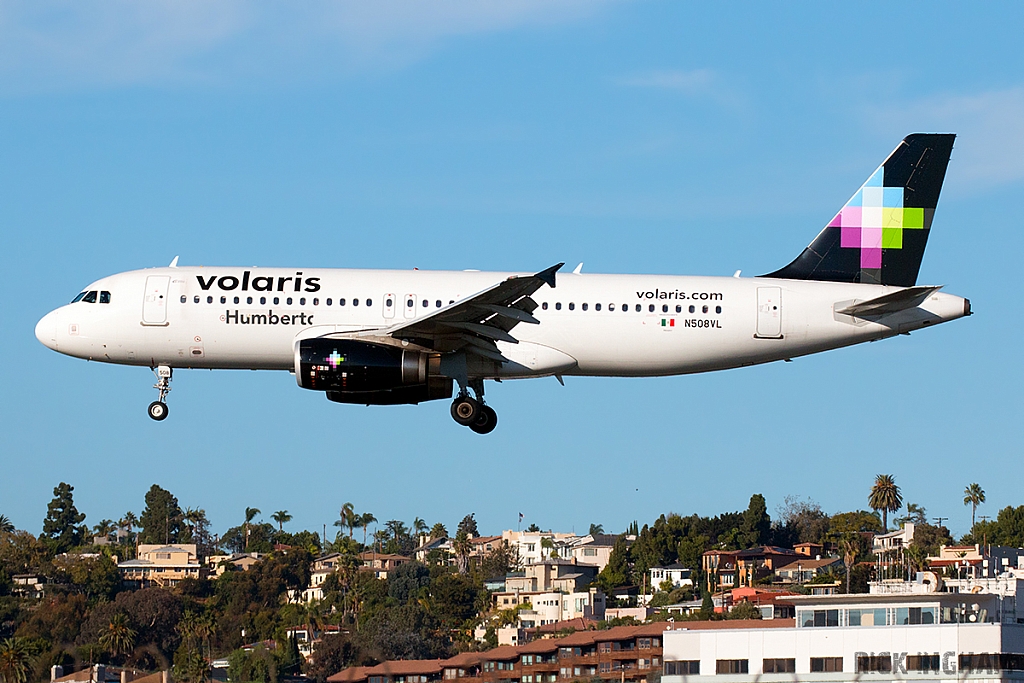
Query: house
(678, 575)
(720, 569)
(549, 607)
(161, 565)
(805, 569)
(755, 564)
(809, 549)
(596, 549)
(308, 636)
(218, 564)
(28, 585)
(559, 575)
(531, 547)
(381, 563)
(977, 561)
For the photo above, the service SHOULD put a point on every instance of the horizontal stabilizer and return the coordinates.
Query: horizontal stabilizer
(911, 297)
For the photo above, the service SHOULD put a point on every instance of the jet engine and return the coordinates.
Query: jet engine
(352, 371)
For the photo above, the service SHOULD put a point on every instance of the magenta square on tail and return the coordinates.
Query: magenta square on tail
(870, 258)
(836, 222)
(849, 237)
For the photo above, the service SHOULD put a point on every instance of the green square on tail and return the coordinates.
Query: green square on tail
(892, 238)
(913, 218)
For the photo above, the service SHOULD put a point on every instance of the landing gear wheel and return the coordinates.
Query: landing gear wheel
(486, 422)
(158, 410)
(465, 410)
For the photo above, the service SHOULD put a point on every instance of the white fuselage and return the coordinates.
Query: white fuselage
(589, 324)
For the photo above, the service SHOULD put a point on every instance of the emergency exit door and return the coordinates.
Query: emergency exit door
(154, 306)
(769, 312)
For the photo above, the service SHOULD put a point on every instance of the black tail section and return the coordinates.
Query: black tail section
(880, 235)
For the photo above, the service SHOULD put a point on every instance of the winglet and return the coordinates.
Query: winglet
(174, 263)
(548, 275)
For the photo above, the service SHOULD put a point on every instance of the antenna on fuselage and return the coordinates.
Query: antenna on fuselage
(174, 263)
(578, 269)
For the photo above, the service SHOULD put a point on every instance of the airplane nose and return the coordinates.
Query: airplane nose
(46, 330)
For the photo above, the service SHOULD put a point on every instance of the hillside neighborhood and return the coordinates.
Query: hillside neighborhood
(158, 595)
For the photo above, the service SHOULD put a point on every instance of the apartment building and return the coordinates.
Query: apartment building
(625, 653)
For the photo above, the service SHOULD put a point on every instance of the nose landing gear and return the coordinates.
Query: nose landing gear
(158, 408)
(473, 412)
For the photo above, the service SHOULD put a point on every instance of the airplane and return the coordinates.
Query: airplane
(386, 337)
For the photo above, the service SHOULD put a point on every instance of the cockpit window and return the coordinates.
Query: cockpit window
(104, 297)
(90, 297)
(78, 298)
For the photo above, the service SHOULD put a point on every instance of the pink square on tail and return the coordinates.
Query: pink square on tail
(849, 237)
(871, 238)
(851, 216)
(870, 258)
(836, 222)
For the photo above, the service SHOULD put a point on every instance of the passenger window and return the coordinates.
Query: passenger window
(651, 308)
(248, 299)
(183, 298)
(209, 299)
(625, 308)
(451, 301)
(195, 299)
(104, 297)
(558, 306)
(705, 310)
(78, 298)
(389, 303)
(316, 301)
(369, 302)
(223, 299)
(572, 306)
(302, 301)
(638, 308)
(611, 307)
(328, 302)
(341, 302)
(236, 299)
(263, 301)
(597, 307)
(438, 303)
(692, 309)
(584, 307)
(409, 303)
(288, 301)
(426, 304)
(355, 302)
(718, 309)
(664, 308)
(679, 309)
(276, 301)
(544, 305)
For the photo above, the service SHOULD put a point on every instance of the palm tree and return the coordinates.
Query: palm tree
(973, 496)
(885, 496)
(348, 517)
(104, 528)
(365, 520)
(419, 526)
(850, 544)
(438, 531)
(118, 638)
(281, 517)
(6, 526)
(462, 547)
(596, 529)
(250, 514)
(15, 660)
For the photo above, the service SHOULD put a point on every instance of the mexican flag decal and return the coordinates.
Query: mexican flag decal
(668, 322)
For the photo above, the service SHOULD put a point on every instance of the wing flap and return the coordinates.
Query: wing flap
(911, 297)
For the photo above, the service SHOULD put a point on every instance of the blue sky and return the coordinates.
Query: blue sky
(635, 137)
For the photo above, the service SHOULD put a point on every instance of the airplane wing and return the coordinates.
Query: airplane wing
(475, 323)
(911, 297)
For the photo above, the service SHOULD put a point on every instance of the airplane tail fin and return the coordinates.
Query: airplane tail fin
(879, 236)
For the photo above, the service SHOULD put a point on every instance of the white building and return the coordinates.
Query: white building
(678, 575)
(548, 607)
(926, 630)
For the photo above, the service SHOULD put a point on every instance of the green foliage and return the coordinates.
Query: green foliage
(15, 660)
(799, 521)
(468, 525)
(929, 537)
(1006, 529)
(261, 538)
(162, 519)
(744, 610)
(57, 619)
(885, 496)
(63, 524)
(859, 521)
(756, 526)
(408, 581)
(96, 577)
(332, 654)
(258, 666)
(616, 572)
(707, 607)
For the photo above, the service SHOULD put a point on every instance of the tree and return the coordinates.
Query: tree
(462, 547)
(915, 513)
(419, 526)
(6, 527)
(15, 660)
(197, 531)
(281, 517)
(348, 518)
(104, 528)
(438, 531)
(616, 572)
(1006, 529)
(973, 496)
(162, 518)
(365, 520)
(331, 655)
(532, 529)
(885, 496)
(119, 637)
(596, 529)
(799, 521)
(756, 527)
(468, 524)
(63, 524)
(250, 514)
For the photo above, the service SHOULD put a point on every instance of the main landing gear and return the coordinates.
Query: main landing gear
(473, 412)
(158, 408)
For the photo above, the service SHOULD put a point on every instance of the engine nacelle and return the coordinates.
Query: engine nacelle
(352, 371)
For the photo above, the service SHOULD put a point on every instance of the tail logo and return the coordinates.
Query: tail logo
(874, 219)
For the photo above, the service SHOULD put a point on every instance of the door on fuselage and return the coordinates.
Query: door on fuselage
(769, 312)
(154, 306)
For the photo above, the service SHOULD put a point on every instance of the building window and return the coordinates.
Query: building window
(689, 667)
(826, 664)
(643, 643)
(779, 666)
(923, 663)
(732, 666)
(915, 615)
(865, 617)
(872, 663)
(992, 662)
(819, 617)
